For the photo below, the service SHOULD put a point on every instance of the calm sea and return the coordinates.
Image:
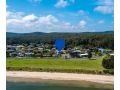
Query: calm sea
(43, 86)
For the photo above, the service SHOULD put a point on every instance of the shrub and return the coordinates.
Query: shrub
(7, 54)
(109, 71)
(89, 55)
(99, 53)
(108, 62)
(54, 70)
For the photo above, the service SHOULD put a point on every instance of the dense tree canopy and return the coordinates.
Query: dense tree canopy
(108, 62)
(104, 40)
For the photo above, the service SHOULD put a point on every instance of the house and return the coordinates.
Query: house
(79, 54)
(84, 55)
(13, 54)
(101, 50)
(10, 48)
(112, 54)
(75, 53)
(21, 54)
(29, 54)
(105, 50)
(108, 51)
(66, 56)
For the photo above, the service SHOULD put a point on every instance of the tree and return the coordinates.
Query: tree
(7, 54)
(103, 40)
(108, 62)
(89, 54)
(99, 53)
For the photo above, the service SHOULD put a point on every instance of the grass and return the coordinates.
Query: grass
(56, 65)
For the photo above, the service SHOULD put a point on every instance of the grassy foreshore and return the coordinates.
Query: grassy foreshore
(56, 65)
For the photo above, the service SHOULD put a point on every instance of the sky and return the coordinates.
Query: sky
(24, 16)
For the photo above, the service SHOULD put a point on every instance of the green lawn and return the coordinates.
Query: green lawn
(56, 65)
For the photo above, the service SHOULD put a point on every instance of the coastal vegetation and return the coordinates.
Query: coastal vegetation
(108, 62)
(57, 65)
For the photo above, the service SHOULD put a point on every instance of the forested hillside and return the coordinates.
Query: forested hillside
(94, 39)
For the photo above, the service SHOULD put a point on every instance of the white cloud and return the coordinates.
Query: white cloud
(31, 17)
(101, 21)
(14, 21)
(104, 9)
(61, 3)
(105, 6)
(49, 19)
(81, 12)
(20, 22)
(14, 15)
(64, 3)
(82, 24)
(105, 2)
(17, 22)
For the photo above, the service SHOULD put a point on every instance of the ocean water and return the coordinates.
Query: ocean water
(44, 86)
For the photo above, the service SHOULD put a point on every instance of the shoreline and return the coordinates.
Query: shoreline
(59, 83)
(38, 76)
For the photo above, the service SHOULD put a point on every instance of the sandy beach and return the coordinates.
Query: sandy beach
(104, 79)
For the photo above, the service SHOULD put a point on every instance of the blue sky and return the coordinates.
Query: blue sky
(59, 15)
